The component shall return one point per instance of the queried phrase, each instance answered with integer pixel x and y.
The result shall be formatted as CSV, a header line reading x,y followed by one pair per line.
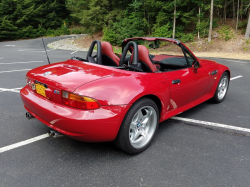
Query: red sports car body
x,y
89,101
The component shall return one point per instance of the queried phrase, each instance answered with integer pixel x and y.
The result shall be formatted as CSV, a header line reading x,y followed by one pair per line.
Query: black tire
x,y
122,140
216,97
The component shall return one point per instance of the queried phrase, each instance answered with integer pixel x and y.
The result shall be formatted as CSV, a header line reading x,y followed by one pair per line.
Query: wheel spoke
x,y
145,121
136,134
143,133
135,118
220,84
140,115
133,126
146,117
224,83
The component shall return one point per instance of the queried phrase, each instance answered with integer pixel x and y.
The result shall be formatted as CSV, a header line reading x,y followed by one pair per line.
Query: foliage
x,y
117,19
77,30
163,31
187,37
32,18
127,26
226,32
242,24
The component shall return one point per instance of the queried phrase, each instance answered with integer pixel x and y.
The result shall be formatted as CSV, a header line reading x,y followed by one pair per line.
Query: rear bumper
x,y
85,125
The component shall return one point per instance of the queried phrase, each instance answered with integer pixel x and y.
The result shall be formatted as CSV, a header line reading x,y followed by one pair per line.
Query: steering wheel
x,y
91,58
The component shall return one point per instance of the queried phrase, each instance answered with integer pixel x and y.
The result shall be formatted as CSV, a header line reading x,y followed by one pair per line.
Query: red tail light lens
x,y
30,83
80,102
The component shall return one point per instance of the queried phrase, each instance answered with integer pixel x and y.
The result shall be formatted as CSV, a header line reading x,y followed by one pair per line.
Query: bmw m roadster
x,y
122,97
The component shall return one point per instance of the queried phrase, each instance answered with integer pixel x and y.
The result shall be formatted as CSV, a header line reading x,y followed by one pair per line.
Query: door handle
x,y
176,81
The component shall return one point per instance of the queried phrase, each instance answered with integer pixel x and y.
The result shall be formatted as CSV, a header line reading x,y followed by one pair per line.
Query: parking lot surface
x,y
182,154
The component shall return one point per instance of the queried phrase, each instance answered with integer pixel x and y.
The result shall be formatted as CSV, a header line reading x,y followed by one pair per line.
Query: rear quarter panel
x,y
127,88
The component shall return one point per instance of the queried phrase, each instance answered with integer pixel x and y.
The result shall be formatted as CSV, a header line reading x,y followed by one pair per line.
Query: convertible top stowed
x,y
120,98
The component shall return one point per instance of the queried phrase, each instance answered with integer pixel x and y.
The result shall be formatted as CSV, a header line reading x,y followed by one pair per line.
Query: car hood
x,y
69,75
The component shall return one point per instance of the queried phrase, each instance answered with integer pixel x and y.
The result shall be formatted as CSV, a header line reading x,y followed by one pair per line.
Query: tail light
x,y
80,102
30,83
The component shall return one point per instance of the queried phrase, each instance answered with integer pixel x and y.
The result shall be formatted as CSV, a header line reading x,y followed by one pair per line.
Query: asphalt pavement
x,y
182,154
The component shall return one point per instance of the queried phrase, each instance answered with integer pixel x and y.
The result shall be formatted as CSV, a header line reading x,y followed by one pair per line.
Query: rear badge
x,y
56,92
47,73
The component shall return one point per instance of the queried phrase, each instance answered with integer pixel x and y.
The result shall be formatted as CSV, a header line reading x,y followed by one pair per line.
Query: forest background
x,y
119,19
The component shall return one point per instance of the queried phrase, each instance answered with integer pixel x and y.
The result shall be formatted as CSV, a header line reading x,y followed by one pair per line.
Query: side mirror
x,y
195,66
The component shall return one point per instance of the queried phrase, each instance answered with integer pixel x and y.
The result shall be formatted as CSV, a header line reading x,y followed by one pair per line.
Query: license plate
x,y
40,88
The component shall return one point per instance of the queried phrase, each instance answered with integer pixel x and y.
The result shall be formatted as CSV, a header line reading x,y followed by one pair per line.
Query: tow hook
x,y
29,116
54,134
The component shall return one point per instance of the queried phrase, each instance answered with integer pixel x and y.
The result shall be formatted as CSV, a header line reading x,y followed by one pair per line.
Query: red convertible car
x,y
122,97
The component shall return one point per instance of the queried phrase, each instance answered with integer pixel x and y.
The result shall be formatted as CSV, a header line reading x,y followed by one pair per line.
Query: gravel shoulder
x,y
73,44
240,56
68,44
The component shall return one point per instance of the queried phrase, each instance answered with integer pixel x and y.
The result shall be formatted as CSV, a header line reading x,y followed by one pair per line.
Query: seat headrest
x,y
144,57
108,50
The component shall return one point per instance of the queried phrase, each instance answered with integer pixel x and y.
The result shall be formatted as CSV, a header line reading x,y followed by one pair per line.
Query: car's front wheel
x,y
138,127
222,88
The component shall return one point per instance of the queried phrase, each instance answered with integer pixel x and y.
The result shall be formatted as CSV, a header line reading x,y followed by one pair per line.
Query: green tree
x,y
30,18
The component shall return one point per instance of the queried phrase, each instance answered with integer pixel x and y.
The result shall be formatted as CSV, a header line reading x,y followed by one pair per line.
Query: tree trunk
x,y
110,5
174,19
225,12
237,19
148,25
233,14
248,27
144,10
241,9
199,21
211,21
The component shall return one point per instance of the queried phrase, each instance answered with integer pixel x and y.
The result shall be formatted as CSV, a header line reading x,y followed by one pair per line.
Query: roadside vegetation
x,y
188,20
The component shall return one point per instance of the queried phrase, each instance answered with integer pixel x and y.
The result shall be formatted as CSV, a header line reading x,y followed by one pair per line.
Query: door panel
x,y
186,86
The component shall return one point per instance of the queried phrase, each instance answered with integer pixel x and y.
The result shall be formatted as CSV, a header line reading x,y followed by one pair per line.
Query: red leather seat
x,y
144,58
109,58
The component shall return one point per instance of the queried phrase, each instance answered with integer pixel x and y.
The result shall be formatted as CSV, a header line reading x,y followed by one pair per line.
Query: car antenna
x,y
46,51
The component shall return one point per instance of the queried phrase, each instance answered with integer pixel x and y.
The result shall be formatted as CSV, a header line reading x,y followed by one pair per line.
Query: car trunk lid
x,y
68,75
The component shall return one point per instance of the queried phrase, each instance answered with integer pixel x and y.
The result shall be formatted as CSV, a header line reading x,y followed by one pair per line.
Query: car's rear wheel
x,y
222,88
138,127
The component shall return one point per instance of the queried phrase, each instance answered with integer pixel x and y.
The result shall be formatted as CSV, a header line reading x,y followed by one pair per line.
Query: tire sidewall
x,y
123,134
216,98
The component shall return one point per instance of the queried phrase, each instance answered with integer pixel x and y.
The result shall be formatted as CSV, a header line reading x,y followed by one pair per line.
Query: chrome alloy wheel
x,y
222,89
142,126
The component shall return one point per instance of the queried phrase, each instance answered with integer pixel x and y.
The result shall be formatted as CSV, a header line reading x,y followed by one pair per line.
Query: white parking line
x,y
17,90
21,62
200,123
229,128
15,70
236,61
73,52
10,45
19,144
242,62
29,50
236,77
35,51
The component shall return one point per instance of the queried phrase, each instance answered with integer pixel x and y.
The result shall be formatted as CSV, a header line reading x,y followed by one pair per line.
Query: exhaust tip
x,y
51,133
29,116
54,134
